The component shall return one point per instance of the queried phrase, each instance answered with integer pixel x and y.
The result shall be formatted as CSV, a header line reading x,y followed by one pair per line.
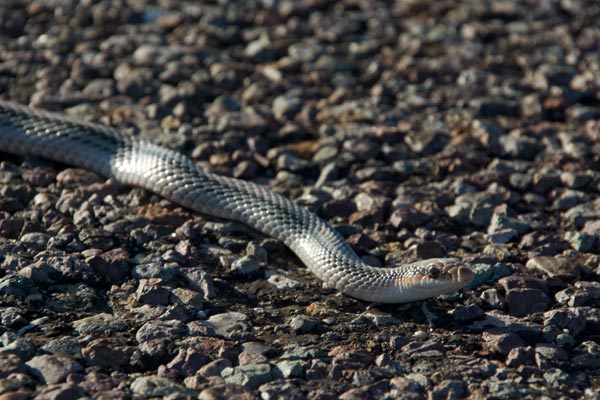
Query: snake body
x,y
138,162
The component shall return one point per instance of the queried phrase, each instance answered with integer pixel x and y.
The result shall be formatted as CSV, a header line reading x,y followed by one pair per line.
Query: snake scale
x,y
138,162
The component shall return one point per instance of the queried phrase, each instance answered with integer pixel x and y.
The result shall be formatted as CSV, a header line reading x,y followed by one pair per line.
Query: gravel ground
x,y
417,128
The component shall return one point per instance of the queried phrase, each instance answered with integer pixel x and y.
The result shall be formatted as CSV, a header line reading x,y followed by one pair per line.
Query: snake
x,y
135,161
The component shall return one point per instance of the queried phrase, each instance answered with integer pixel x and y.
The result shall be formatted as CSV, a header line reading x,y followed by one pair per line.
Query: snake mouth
x,y
460,273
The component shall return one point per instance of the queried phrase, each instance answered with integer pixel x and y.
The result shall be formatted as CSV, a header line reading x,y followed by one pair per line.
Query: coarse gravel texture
x,y
417,128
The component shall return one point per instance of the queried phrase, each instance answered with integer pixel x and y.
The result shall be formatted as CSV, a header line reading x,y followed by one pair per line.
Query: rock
x,y
10,364
214,368
160,329
280,389
555,377
230,324
53,369
381,319
17,285
227,391
292,163
63,345
107,353
155,386
186,297
62,391
467,313
113,264
198,280
561,267
403,387
493,299
288,369
251,376
245,266
281,281
428,349
249,357
375,390
549,356
581,241
187,362
503,229
576,297
486,273
350,358
519,356
501,341
564,320
301,324
285,107
105,323
522,302
448,389
151,291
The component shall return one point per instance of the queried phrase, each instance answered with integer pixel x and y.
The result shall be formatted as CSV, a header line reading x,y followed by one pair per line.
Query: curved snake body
x,y
135,161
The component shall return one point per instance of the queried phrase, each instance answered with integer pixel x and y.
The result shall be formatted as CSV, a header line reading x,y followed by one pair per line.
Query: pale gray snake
x,y
138,162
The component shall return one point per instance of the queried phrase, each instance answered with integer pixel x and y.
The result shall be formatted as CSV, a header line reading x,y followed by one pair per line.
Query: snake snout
x,y
461,274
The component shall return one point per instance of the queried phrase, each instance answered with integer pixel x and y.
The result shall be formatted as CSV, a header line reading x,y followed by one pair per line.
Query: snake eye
x,y
433,271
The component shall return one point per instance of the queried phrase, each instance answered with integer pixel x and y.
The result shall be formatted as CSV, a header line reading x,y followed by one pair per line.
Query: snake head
x,y
436,276
420,280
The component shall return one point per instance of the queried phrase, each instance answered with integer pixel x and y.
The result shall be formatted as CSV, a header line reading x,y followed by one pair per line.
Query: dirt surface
x,y
416,128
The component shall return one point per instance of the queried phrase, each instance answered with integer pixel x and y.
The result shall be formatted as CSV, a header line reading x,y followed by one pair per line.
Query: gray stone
x,y
227,391
581,241
554,266
381,319
155,386
160,329
493,299
53,368
285,107
100,323
17,285
281,281
304,324
63,391
63,345
292,163
288,369
486,273
251,376
281,389
467,313
246,265
214,368
230,324
570,198
524,301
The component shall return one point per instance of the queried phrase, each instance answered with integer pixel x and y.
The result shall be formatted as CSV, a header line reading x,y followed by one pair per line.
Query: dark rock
x,y
251,376
448,389
107,353
522,302
501,341
549,356
554,266
301,324
53,368
467,313
113,264
227,391
280,389
519,356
